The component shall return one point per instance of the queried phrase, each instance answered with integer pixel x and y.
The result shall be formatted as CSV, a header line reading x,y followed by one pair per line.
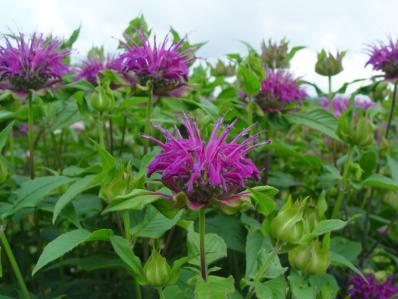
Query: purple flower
x,y
341,103
279,92
31,63
384,57
92,67
165,66
360,289
205,172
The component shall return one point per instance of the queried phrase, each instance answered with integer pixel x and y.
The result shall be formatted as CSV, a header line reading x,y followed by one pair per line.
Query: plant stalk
x,y
30,137
202,233
390,116
340,197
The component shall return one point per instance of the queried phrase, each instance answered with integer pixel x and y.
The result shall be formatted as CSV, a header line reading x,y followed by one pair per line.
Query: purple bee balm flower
x,y
165,66
279,92
31,63
384,57
372,289
341,103
212,171
91,68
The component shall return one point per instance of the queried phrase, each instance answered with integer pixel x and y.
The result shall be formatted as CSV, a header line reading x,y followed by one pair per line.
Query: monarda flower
x,y
341,103
372,289
31,63
92,67
279,92
206,172
165,66
384,57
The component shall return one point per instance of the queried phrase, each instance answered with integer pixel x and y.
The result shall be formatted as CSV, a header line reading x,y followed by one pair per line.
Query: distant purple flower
x,y
372,289
341,103
165,66
279,92
205,172
31,63
92,67
384,57
22,130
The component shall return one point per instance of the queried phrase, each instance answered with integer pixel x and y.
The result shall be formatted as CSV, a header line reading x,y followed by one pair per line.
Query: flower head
x,y
372,289
205,171
165,66
328,64
279,92
276,55
31,63
92,67
384,57
341,103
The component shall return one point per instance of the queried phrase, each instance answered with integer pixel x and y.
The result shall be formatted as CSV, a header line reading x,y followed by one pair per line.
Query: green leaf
x,y
1,265
269,265
66,242
32,192
215,248
272,289
75,189
214,287
125,251
263,196
255,241
345,247
299,287
317,119
339,260
393,165
154,224
248,80
4,135
328,225
137,200
326,285
380,181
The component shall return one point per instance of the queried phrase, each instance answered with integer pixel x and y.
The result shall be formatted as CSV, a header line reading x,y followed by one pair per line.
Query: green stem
x,y
330,93
340,197
394,96
14,264
250,110
160,292
101,129
137,289
123,134
30,136
126,224
202,233
149,108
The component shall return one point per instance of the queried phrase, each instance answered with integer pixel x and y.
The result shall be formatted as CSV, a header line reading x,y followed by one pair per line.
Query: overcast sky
x,y
339,24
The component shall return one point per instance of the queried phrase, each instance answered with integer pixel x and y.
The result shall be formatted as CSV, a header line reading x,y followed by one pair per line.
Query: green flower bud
x,y
102,99
274,55
312,258
157,271
288,224
222,70
355,129
118,182
3,170
329,65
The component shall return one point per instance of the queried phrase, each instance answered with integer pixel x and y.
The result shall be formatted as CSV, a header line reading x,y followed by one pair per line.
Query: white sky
x,y
343,24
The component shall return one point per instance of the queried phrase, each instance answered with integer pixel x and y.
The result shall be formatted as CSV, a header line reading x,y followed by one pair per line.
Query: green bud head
x,y
102,99
288,224
223,70
3,170
119,181
329,65
355,129
156,270
276,55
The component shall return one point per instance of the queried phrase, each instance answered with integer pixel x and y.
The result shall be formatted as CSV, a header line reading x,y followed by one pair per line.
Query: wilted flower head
x,y
341,103
384,57
279,92
328,64
360,289
275,55
31,63
92,67
165,66
205,171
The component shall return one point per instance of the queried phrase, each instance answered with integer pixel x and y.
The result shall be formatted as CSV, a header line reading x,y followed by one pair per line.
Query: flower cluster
x,y
205,172
372,289
341,103
31,63
279,92
384,57
166,67
92,67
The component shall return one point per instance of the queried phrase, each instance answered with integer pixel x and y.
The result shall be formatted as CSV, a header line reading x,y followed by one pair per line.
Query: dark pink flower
x,y
31,63
92,67
384,57
166,66
372,289
279,92
341,103
215,170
